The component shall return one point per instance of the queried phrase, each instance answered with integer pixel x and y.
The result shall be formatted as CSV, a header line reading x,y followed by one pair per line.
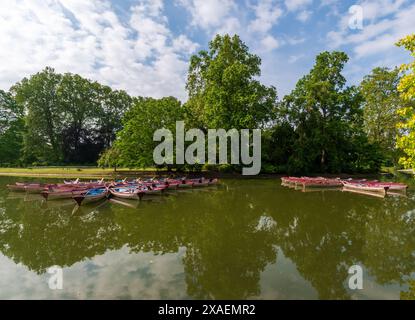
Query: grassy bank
x,y
109,173
73,172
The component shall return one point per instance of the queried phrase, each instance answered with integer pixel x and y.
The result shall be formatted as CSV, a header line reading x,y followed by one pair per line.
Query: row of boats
x,y
358,185
92,191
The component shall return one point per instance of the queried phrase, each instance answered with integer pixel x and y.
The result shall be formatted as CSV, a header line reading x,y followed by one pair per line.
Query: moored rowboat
x,y
92,195
126,193
62,194
366,187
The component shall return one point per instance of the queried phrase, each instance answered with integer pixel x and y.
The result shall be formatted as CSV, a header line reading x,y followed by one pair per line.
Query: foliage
x,y
69,119
406,87
11,129
410,294
327,118
135,140
223,90
110,157
381,102
38,96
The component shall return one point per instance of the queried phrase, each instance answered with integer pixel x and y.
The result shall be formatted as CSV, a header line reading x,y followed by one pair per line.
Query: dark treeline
x,y
52,118
323,125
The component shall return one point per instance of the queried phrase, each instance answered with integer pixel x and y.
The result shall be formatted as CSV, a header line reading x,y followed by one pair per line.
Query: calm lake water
x,y
243,239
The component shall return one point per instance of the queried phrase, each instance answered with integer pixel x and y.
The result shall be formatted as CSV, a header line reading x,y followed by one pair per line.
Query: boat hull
x,y
56,195
367,188
85,199
126,195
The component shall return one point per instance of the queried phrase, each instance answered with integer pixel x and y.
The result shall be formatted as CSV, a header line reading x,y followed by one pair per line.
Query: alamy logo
x,y
356,18
356,278
55,281
241,145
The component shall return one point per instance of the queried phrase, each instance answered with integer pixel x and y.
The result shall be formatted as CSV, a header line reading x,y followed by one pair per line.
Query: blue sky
x,y
144,46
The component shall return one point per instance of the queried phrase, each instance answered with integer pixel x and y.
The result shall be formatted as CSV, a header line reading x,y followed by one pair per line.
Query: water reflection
x,y
227,241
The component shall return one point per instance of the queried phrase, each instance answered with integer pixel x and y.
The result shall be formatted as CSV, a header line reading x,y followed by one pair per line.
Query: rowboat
x,y
201,183
152,190
91,195
62,194
395,186
307,182
126,193
28,187
15,187
371,187
327,183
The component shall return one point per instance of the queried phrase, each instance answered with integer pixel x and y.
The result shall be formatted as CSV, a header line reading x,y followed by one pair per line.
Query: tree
x,y
135,141
38,95
11,129
406,87
113,105
69,119
79,107
110,158
223,90
327,118
381,102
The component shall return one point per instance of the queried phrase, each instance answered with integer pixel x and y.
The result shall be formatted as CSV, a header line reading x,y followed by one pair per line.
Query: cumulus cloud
x,y
386,25
304,15
208,15
267,13
269,43
140,55
293,5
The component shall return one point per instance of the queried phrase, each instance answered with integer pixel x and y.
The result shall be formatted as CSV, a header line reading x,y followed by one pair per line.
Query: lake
x,y
245,239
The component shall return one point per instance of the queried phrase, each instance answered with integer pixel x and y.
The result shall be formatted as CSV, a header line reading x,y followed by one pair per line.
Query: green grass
x,y
70,171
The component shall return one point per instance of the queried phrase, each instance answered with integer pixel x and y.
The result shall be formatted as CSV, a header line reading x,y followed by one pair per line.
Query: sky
x,y
144,46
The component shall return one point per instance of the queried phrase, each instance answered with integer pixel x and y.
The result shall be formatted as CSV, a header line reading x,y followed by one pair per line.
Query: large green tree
x,y
38,96
406,87
11,129
327,118
381,102
69,119
223,88
134,144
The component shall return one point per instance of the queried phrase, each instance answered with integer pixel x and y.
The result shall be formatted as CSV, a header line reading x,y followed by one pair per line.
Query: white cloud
x,y
304,15
267,13
380,8
294,41
269,43
139,54
294,5
295,58
388,24
210,14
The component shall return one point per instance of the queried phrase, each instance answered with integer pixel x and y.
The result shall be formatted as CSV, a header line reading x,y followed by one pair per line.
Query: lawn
x,y
87,172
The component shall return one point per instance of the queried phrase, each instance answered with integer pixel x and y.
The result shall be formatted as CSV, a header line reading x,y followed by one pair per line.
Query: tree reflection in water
x,y
231,234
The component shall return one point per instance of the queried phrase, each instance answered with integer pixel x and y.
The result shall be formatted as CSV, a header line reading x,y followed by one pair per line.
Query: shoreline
x,y
94,173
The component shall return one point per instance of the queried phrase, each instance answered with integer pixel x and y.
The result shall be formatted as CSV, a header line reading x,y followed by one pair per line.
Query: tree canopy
x,y
381,102
223,88
326,117
11,129
135,141
68,119
406,87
